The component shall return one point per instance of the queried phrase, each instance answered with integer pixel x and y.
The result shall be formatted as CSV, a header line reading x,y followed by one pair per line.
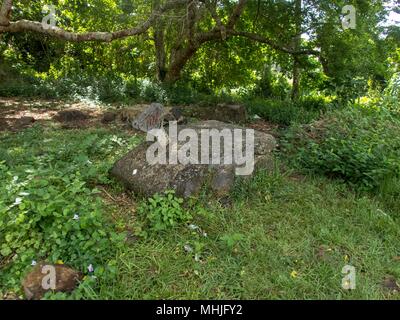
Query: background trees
x,y
256,45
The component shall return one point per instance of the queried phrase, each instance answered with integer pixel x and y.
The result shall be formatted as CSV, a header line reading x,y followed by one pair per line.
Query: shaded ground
x,y
45,111
80,115
265,126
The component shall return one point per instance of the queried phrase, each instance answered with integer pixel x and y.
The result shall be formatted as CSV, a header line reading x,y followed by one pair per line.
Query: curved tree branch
x,y
185,48
212,9
272,44
220,32
27,25
229,30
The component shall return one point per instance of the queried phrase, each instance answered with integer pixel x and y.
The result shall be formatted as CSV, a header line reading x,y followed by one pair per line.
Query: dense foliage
x,y
232,65
50,209
358,145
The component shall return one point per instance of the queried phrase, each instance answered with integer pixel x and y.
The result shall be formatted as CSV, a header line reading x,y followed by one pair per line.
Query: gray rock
x,y
71,115
264,143
221,112
175,114
108,117
24,121
223,180
134,171
149,119
168,117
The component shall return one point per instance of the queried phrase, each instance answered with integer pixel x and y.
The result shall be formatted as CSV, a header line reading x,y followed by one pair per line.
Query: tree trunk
x,y
178,61
297,44
5,12
159,45
161,59
296,79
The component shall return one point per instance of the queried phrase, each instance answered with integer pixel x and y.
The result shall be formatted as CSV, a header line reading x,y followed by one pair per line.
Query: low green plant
x,y
286,112
391,95
231,240
358,145
107,89
50,207
164,211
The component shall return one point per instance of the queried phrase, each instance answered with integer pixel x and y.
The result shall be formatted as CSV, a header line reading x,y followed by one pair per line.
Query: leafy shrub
x,y
360,146
164,211
286,112
391,95
393,89
271,84
346,88
106,88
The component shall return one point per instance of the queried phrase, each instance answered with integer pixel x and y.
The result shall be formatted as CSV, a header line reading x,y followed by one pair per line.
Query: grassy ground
x,y
290,239
282,236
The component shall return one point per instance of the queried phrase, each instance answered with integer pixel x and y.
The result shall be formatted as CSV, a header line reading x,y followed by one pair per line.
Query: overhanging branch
x,y
27,25
272,44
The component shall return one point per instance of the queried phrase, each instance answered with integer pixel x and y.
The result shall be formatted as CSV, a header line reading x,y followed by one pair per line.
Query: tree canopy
x,y
213,43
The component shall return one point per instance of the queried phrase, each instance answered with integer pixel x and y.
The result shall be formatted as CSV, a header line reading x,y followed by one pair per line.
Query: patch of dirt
x,y
122,207
80,115
317,129
297,177
390,284
108,117
14,114
4,125
73,119
71,115
323,252
264,126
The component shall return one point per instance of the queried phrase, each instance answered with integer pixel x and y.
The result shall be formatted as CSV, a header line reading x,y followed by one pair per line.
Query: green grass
x,y
283,225
268,245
